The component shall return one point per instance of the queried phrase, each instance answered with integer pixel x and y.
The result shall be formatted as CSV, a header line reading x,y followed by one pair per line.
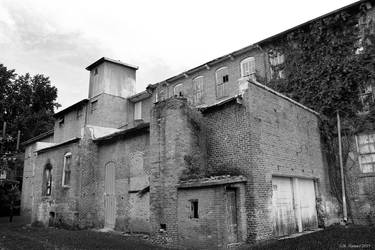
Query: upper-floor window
x,y
67,169
222,80
198,90
94,105
138,110
248,67
61,121
366,150
366,97
79,113
178,90
95,71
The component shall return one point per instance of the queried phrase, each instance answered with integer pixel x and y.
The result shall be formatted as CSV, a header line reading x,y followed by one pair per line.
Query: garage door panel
x,y
308,204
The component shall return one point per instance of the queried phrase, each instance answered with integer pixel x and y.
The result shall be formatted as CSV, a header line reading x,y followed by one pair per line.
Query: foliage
x,y
328,63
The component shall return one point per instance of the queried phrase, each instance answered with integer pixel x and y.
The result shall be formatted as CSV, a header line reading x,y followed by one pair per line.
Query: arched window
x,y
67,169
198,90
222,81
178,90
248,67
47,179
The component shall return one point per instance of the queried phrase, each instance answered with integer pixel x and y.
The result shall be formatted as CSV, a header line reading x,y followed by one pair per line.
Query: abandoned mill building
x,y
206,158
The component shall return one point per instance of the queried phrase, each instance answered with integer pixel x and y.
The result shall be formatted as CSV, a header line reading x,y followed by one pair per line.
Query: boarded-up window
x,y
198,90
366,148
248,67
138,110
222,81
67,169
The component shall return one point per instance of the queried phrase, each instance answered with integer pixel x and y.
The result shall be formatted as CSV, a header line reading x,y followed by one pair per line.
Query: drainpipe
x,y
345,213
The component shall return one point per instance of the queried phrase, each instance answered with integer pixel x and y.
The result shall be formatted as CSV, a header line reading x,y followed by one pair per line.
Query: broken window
x,y
178,90
366,97
198,90
366,150
47,180
222,80
67,169
194,209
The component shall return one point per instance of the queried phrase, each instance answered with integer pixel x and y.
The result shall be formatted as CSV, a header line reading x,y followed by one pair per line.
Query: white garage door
x,y
293,203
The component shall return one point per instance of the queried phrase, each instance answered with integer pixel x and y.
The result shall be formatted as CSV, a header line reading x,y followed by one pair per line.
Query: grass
x,y
335,237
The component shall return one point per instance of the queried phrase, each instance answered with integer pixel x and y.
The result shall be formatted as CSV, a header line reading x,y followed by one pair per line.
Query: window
x,y
61,121
247,67
94,105
366,97
178,90
79,113
95,71
276,59
366,150
3,174
47,180
222,79
198,90
67,169
194,209
138,110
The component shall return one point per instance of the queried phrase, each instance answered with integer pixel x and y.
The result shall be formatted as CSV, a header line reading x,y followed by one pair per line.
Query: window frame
x,y
223,83
47,180
198,93
66,155
137,115
180,85
247,60
362,155
194,209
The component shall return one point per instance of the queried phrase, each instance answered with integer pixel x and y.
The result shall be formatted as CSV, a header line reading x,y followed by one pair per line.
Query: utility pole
x,y
345,213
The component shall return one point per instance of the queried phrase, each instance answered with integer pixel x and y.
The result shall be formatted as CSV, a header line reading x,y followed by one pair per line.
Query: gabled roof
x,y
38,137
106,59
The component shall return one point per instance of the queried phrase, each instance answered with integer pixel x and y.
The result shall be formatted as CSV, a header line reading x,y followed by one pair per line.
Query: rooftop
x,y
106,59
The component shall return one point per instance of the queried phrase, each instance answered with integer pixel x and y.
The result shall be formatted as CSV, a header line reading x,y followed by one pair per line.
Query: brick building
x,y
206,158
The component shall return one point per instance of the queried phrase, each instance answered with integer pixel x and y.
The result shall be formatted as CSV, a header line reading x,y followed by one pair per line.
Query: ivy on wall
x,y
329,66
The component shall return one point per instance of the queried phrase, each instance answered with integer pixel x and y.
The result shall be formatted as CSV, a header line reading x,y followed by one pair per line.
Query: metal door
x,y
308,204
284,222
109,196
231,215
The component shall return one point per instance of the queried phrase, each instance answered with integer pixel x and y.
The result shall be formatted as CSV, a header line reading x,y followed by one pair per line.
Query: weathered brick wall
x,y
130,155
62,201
209,75
72,125
111,111
266,135
29,180
172,138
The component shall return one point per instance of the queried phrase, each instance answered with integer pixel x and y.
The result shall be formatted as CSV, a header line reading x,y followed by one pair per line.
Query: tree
x,y
27,105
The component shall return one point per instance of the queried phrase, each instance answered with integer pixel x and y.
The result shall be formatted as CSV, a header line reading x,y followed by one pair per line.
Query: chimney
x,y
111,77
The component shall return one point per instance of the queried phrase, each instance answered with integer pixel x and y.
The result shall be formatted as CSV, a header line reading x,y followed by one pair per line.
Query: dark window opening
x,y
47,180
225,78
94,105
163,226
61,122
194,209
95,71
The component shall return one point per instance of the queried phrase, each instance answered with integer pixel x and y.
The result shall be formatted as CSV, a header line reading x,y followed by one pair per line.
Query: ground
x,y
17,235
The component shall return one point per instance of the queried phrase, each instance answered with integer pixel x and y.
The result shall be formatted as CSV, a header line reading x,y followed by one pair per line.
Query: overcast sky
x,y
165,37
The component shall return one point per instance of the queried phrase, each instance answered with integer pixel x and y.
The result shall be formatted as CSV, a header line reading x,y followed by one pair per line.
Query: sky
x,y
164,38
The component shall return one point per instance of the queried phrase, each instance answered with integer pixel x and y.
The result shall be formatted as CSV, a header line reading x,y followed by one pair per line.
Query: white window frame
x,y
138,110
366,151
221,85
250,63
176,87
198,89
69,154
